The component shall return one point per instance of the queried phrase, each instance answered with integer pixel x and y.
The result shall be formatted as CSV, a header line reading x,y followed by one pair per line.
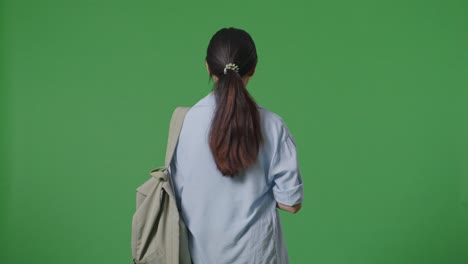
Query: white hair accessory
x,y
231,66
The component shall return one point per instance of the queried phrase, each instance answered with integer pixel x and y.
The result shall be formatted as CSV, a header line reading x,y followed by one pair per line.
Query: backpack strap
x,y
174,131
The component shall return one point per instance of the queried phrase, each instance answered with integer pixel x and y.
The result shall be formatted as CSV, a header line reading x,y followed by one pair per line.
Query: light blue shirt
x,y
235,220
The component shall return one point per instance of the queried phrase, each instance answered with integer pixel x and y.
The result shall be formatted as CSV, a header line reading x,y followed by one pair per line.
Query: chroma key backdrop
x,y
375,94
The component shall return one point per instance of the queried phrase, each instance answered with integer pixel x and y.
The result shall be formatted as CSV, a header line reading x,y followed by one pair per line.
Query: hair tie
x,y
231,66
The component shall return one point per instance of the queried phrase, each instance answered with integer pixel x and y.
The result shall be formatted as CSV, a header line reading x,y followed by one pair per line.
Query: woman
x,y
235,163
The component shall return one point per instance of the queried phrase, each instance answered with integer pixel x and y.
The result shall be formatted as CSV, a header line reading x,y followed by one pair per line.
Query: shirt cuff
x,y
291,196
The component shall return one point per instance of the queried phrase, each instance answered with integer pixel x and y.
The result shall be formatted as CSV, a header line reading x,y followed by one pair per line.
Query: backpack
x,y
159,234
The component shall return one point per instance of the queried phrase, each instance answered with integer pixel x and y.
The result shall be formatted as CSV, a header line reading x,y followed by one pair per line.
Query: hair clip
x,y
231,66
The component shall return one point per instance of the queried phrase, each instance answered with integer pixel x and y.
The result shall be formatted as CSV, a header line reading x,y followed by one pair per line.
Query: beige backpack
x,y
159,234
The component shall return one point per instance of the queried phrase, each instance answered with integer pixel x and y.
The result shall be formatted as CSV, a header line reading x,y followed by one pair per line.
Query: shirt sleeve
x,y
176,178
284,169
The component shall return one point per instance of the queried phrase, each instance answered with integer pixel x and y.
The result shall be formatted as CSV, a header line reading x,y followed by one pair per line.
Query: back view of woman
x,y
235,164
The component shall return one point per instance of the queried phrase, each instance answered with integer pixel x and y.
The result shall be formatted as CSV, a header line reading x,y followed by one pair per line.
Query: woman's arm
x,y
292,209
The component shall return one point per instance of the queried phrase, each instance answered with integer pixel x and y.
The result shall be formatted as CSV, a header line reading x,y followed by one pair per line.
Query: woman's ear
x,y
209,72
251,73
207,67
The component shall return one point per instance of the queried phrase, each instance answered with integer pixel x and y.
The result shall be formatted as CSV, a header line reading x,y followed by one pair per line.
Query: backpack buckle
x,y
160,173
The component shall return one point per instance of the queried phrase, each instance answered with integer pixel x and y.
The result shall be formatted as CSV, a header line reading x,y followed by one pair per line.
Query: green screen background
x,y
374,93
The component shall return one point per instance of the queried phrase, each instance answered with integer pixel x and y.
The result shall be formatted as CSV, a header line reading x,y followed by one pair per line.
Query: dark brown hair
x,y
235,134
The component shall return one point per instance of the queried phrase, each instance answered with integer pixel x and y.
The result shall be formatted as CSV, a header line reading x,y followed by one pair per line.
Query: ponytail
x,y
235,135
